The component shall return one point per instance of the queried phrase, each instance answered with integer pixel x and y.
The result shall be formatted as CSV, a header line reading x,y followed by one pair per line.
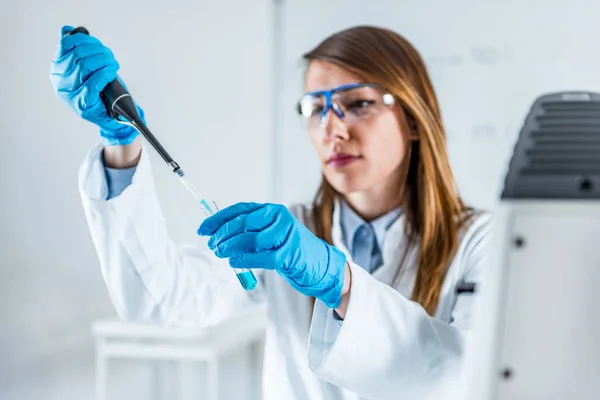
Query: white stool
x,y
116,339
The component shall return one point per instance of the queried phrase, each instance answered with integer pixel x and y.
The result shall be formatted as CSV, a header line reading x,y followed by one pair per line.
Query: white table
x,y
116,339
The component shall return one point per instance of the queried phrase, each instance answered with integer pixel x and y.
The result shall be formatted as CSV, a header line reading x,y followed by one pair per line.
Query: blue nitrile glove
x,y
268,236
82,66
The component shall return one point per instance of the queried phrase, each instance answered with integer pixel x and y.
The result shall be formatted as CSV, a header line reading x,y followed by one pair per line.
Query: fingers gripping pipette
x,y
120,106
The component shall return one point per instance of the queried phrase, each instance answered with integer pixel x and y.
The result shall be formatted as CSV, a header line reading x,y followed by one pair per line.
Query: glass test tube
x,y
244,275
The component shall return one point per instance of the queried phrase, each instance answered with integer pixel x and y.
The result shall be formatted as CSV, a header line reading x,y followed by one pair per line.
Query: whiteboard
x,y
488,60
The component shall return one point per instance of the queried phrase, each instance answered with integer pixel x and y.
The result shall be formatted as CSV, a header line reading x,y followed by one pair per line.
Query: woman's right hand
x,y
81,68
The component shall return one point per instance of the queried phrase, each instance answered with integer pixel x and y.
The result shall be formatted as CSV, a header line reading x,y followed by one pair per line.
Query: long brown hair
x,y
433,209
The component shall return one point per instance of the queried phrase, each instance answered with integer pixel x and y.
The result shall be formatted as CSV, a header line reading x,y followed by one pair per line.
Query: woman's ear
x,y
414,131
411,122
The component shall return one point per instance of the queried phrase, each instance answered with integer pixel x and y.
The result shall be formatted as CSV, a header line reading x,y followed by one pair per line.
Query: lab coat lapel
x,y
336,231
393,249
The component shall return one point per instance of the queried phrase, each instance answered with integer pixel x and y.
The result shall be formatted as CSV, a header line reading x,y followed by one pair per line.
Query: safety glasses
x,y
351,103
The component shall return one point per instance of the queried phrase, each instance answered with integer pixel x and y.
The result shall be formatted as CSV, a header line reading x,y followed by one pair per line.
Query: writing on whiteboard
x,y
474,55
482,132
488,132
491,54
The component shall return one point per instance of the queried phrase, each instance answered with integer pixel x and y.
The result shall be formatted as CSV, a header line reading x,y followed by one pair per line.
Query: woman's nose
x,y
334,127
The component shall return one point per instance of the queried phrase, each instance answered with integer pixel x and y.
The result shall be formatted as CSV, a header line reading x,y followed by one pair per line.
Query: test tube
x,y
244,275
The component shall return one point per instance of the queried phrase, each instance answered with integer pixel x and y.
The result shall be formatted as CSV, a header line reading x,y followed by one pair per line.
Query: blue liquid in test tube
x,y
247,278
244,275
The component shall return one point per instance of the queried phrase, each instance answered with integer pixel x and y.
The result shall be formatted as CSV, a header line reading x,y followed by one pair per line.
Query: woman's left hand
x,y
268,236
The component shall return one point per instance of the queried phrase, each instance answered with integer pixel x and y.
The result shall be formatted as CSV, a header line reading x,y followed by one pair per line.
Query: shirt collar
x,y
350,222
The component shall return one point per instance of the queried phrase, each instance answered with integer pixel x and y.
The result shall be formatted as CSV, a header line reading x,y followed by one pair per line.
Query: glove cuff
x,y
334,278
122,138
115,133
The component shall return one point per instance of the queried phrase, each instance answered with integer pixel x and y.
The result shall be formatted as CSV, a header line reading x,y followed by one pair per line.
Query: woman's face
x,y
364,154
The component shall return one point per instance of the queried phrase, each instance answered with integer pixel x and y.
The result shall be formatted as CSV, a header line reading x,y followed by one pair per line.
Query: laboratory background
x,y
219,81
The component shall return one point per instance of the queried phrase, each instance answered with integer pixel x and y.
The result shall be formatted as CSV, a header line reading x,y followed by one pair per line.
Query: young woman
x,y
361,284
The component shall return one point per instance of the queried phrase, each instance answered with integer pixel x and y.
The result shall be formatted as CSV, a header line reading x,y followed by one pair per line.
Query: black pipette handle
x,y
119,103
79,29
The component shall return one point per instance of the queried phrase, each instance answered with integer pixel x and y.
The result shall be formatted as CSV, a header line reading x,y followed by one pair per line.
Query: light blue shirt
x,y
117,180
364,240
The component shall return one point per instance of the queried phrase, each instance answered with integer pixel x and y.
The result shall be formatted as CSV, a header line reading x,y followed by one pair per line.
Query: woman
x,y
361,285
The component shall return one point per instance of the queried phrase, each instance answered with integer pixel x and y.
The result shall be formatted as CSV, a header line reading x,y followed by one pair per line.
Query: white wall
x,y
201,71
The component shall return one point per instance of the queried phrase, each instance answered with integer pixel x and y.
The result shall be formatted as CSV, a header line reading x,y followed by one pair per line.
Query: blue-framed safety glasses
x,y
351,103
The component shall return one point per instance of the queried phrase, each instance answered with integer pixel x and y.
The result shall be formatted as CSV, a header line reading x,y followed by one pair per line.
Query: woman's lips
x,y
341,160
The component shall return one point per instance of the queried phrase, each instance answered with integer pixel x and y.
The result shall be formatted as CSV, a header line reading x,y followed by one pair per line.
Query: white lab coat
x,y
387,346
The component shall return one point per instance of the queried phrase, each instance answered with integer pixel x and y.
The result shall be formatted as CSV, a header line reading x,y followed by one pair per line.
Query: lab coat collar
x,y
392,245
350,222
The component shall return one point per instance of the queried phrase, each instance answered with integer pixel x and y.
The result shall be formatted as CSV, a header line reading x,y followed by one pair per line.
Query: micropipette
x,y
119,104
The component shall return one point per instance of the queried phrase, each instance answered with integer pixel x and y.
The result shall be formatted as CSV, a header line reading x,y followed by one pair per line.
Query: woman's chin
x,y
346,184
